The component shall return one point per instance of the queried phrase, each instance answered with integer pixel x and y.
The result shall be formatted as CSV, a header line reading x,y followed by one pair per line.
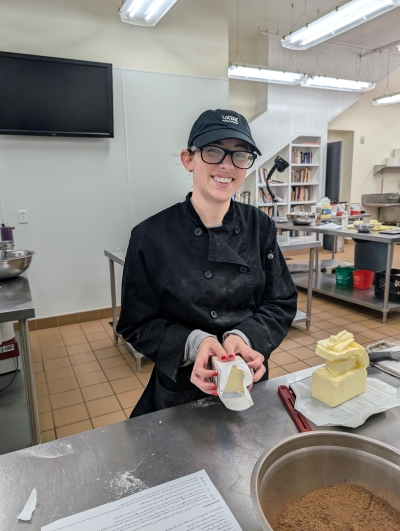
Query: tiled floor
x,y
84,381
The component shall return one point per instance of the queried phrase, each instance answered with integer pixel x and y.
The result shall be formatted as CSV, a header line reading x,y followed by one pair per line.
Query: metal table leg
x,y
317,257
334,247
389,259
29,376
113,301
310,285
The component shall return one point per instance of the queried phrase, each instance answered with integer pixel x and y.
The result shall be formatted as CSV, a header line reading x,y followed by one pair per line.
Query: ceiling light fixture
x,y
264,75
333,83
145,12
336,22
387,100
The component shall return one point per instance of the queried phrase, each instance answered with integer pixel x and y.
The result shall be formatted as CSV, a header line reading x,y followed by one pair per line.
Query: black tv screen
x,y
55,97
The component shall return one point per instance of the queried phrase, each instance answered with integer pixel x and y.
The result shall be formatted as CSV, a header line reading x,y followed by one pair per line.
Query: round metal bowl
x,y
15,263
301,218
7,244
364,227
301,463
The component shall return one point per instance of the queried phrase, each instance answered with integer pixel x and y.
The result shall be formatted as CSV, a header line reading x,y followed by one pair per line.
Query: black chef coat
x,y
180,276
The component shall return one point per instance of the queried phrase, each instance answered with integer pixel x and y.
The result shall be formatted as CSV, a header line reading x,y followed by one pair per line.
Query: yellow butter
x,y
327,353
338,338
362,357
334,390
235,381
341,366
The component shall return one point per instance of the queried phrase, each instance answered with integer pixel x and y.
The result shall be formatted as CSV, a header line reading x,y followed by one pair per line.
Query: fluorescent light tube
x,y
387,100
332,83
342,19
264,75
145,12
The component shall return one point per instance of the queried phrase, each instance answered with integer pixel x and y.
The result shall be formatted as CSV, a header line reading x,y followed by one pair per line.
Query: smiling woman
x,y
206,277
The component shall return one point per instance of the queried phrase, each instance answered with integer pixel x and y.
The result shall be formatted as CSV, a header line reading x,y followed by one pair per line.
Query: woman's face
x,y
216,182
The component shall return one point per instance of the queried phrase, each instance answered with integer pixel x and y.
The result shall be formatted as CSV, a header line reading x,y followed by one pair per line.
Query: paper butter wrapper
x,y
232,381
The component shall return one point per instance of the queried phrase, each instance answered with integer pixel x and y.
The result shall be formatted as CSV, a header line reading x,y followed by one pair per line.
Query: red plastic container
x,y
355,212
363,279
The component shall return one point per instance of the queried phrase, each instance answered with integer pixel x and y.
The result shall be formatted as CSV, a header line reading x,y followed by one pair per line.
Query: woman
x,y
206,277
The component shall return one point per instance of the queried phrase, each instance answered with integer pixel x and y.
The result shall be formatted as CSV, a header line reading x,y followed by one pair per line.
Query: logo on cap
x,y
230,119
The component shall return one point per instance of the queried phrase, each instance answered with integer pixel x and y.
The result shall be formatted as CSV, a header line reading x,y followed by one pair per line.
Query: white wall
x,y
381,128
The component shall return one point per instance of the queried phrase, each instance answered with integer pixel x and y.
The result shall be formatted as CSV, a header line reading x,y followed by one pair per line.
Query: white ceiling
x,y
276,15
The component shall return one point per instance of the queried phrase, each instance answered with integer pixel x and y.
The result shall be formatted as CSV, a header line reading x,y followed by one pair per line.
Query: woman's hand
x,y
234,344
201,374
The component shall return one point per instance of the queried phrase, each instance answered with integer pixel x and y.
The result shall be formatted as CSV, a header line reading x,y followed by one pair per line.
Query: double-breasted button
x,y
214,314
198,232
236,230
270,256
208,274
243,305
243,269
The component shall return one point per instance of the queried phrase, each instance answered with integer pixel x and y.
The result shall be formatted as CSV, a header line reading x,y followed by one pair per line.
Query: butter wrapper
x,y
232,381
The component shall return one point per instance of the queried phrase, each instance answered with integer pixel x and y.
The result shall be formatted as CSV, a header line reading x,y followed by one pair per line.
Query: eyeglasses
x,y
215,155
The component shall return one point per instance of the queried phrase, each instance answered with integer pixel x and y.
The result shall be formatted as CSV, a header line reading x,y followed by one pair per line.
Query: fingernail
x,y
232,356
214,387
215,374
214,393
223,358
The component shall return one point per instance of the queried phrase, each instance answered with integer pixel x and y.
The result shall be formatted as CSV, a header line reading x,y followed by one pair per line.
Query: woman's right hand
x,y
201,373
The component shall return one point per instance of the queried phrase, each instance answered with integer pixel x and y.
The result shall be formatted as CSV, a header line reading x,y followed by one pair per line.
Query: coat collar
x,y
227,222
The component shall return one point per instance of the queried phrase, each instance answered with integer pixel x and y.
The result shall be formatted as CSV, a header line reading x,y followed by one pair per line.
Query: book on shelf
x,y
301,157
262,174
312,143
269,210
265,197
301,176
300,193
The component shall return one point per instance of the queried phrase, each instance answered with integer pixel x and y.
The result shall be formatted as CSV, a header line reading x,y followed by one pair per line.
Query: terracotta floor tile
x,y
65,399
40,377
46,421
75,340
57,363
97,391
73,350
374,335
41,390
102,406
97,336
272,364
50,345
103,343
302,353
91,324
49,334
319,335
371,324
130,398
389,330
72,332
38,366
278,371
85,357
123,349
106,420
339,321
128,412
355,328
86,368
109,363
316,360
37,355
70,415
54,353
65,384
43,404
298,366
47,436
126,384
283,358
91,378
288,344
118,372
306,340
129,358
110,352
147,366
144,378
58,374
73,429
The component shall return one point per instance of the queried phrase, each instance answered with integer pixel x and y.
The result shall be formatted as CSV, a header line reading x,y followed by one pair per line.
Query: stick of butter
x,y
341,366
327,353
338,338
232,381
362,357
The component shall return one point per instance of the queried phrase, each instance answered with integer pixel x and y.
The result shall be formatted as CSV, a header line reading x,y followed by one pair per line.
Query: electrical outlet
x,y
22,216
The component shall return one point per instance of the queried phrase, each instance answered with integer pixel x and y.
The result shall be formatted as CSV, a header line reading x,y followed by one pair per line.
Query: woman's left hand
x,y
234,344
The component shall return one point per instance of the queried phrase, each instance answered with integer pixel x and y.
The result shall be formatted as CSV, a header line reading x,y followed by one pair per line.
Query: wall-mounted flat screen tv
x,y
55,97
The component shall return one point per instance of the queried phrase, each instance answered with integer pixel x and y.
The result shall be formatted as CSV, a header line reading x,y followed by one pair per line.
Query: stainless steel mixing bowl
x,y
298,464
364,227
14,263
301,218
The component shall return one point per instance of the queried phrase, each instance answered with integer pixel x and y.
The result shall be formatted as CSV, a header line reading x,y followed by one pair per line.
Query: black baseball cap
x,y
219,124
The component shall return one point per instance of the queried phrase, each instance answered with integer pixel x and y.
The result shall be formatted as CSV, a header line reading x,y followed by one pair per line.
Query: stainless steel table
x,y
326,283
113,462
16,305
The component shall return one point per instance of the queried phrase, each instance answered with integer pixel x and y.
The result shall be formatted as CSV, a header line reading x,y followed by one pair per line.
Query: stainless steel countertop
x,y
112,462
15,300
373,236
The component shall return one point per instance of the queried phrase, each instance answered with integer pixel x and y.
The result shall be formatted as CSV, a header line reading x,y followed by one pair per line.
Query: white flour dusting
x,y
49,450
204,402
125,483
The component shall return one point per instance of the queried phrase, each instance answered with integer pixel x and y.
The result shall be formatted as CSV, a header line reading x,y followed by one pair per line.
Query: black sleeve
x,y
271,321
140,323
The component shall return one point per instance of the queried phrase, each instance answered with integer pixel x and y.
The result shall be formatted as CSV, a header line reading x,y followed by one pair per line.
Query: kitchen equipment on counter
x,y
388,205
363,227
15,263
301,463
6,233
301,218
8,348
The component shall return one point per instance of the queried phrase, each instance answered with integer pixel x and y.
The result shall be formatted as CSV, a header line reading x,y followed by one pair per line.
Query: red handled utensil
x,y
288,401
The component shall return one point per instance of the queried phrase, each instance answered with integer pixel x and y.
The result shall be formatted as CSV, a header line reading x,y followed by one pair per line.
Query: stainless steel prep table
x,y
109,463
326,283
16,305
118,257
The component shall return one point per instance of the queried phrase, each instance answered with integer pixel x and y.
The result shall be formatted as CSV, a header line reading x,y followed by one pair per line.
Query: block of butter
x,y
334,390
327,353
341,366
232,381
362,358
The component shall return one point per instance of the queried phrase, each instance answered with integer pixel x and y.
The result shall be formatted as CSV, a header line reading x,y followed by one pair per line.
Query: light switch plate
x,y
22,216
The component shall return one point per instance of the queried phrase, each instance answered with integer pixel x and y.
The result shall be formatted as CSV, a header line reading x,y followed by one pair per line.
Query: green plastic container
x,y
344,275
